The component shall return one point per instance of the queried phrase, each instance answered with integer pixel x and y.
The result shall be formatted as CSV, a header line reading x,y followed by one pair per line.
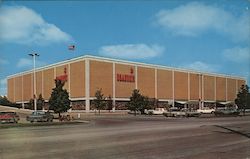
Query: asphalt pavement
x,y
129,137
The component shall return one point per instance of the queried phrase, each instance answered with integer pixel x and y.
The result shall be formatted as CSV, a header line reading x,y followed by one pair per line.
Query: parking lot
x,y
128,136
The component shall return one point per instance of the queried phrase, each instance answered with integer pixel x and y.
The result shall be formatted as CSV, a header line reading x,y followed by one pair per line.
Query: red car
x,y
9,117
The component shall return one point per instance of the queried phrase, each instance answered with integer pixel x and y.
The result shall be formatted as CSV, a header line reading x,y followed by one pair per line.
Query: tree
x,y
109,103
4,101
145,104
153,103
59,99
137,102
243,98
31,104
40,102
99,102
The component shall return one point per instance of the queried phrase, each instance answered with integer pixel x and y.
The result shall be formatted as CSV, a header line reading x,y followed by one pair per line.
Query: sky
x,y
211,36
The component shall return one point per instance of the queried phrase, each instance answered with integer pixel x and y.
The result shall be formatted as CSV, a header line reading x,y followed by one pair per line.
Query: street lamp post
x,y
34,78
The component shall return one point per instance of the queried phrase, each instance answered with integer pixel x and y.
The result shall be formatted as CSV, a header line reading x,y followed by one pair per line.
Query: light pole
x,y
34,78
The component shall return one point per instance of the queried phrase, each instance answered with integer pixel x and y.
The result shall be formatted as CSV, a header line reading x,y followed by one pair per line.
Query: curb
x,y
4,126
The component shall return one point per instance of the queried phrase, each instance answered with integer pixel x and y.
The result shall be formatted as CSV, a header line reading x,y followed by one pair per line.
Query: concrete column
x,y
22,94
202,86
136,78
42,86
14,89
188,86
69,79
114,75
156,94
226,89
215,92
87,101
199,91
173,87
68,74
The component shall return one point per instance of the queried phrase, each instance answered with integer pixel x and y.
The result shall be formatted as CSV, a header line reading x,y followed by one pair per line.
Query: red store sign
x,y
126,77
64,77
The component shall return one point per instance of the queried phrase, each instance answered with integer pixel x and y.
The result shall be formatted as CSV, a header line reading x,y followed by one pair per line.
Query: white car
x,y
156,111
206,110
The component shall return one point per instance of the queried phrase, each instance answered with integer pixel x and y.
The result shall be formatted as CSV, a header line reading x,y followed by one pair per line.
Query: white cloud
x,y
22,25
3,86
131,51
237,54
201,66
194,18
3,81
28,63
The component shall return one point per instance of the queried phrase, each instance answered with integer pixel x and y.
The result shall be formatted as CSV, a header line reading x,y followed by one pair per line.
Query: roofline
x,y
105,59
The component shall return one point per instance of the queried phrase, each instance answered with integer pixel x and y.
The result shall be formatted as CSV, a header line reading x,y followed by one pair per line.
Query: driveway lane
x,y
126,138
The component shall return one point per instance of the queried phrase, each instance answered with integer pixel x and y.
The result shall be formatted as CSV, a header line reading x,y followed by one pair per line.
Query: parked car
x,y
156,111
226,112
133,112
206,110
9,117
175,112
191,113
40,116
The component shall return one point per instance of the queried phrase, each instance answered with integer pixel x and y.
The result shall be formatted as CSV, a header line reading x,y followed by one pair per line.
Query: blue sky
x,y
212,36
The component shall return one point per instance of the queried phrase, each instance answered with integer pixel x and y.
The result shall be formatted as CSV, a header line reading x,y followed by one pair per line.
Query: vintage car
x,y
134,112
226,112
40,116
192,113
175,112
206,110
156,111
9,117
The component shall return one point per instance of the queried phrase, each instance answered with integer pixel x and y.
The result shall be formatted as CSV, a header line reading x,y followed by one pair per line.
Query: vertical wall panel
x,y
27,87
209,88
194,86
164,84
60,71
146,81
231,89
220,88
48,82
240,83
10,93
181,85
18,89
123,88
101,77
77,79
38,83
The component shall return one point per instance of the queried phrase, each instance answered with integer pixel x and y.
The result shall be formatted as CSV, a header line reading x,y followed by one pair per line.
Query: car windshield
x,y
174,110
38,112
7,112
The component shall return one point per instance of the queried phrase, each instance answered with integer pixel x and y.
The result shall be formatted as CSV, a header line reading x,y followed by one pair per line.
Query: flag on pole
x,y
71,47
